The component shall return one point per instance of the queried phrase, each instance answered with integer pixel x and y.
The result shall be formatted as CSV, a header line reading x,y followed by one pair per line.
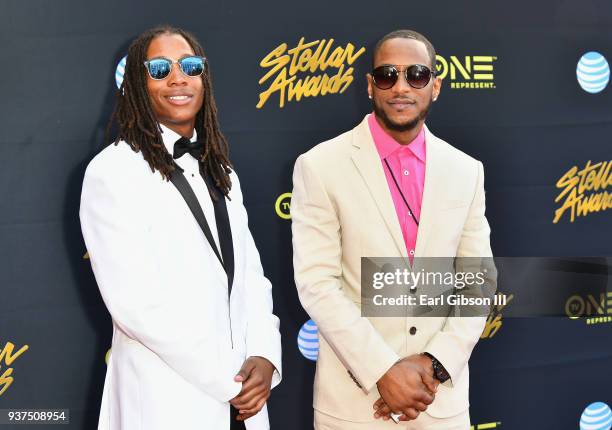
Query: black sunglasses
x,y
160,67
417,76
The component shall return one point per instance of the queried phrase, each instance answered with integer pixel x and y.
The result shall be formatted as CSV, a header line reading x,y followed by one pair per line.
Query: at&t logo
x,y
120,71
593,72
308,340
596,416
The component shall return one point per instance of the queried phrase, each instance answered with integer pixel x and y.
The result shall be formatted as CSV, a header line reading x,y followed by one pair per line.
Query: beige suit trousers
x,y
423,422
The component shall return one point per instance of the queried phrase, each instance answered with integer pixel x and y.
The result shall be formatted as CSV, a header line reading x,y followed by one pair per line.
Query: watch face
x,y
439,371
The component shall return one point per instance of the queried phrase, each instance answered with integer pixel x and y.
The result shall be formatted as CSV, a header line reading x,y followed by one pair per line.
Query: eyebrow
x,y
173,59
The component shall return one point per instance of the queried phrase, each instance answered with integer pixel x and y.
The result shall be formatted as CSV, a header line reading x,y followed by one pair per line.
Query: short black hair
x,y
407,34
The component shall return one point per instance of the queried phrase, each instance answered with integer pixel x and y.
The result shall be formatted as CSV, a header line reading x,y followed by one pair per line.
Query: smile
x,y
179,100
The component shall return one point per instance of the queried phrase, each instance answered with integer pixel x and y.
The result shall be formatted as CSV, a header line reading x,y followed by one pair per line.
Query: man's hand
x,y
408,387
256,377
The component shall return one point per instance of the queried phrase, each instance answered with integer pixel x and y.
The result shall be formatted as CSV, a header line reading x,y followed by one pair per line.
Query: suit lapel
x,y
433,174
224,231
368,163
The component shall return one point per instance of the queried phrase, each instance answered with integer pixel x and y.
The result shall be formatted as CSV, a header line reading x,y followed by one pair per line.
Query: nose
x,y
401,85
176,77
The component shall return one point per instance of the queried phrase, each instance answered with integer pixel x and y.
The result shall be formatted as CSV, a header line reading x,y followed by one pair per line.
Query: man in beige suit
x,y
387,188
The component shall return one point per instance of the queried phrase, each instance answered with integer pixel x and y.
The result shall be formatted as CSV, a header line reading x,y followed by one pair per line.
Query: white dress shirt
x,y
191,170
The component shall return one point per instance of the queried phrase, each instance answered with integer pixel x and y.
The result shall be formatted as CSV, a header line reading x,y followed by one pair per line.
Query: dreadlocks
x,y
138,126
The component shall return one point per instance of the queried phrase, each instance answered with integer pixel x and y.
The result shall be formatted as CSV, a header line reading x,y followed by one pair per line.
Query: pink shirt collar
x,y
386,145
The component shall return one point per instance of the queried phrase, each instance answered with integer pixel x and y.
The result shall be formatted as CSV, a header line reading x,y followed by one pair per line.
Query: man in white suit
x,y
195,342
387,188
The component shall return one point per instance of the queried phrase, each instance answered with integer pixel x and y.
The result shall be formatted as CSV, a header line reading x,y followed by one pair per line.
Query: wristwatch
x,y
440,372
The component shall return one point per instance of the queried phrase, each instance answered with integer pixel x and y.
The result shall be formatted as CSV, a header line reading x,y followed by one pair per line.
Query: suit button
x,y
413,330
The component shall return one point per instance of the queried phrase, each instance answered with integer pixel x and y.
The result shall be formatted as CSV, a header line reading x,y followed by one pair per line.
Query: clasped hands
x,y
407,388
256,377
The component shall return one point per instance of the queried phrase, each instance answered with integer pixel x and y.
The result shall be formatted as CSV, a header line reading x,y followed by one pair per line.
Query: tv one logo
x,y
282,207
597,308
467,72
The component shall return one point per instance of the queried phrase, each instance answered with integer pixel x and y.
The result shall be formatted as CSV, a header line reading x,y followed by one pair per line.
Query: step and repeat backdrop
x,y
525,89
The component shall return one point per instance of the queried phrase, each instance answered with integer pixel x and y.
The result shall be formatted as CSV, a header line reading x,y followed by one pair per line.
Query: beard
x,y
401,127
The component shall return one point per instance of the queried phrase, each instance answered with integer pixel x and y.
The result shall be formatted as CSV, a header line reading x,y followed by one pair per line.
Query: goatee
x,y
400,127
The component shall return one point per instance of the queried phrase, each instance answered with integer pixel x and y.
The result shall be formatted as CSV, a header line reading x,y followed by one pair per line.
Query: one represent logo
x,y
596,309
283,206
593,72
120,71
306,59
8,355
308,340
584,190
467,72
596,416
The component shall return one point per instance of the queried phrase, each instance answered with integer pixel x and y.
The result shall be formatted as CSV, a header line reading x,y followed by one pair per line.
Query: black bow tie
x,y
184,146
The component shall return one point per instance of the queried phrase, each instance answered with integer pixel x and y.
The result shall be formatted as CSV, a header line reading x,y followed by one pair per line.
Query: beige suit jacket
x,y
342,210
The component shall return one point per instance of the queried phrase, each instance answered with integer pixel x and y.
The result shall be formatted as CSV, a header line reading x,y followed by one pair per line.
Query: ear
x,y
369,77
437,87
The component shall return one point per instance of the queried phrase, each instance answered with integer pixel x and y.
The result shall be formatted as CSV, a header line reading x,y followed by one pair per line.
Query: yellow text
x,y
594,178
310,57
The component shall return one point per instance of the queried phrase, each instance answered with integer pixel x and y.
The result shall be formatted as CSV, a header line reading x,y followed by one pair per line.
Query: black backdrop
x,y
58,83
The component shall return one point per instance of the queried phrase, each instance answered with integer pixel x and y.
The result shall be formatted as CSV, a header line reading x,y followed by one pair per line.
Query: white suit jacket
x,y
178,341
341,210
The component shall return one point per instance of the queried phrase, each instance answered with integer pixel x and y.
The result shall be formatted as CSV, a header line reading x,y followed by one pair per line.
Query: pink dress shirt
x,y
408,165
